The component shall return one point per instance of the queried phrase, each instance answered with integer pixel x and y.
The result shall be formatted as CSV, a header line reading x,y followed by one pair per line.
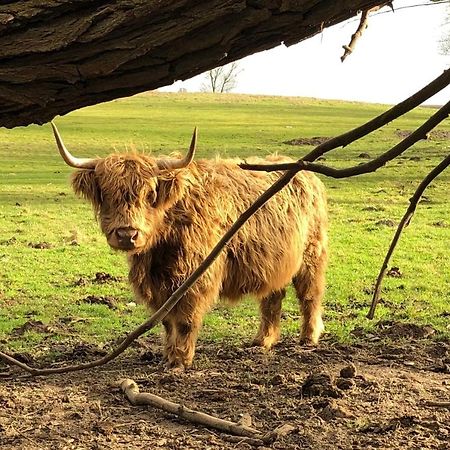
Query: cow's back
x,y
270,248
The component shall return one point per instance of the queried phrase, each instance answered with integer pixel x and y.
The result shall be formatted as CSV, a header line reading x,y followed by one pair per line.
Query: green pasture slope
x,y
38,209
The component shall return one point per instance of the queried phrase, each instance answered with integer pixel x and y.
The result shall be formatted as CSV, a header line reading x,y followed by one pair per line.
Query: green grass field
x,y
37,206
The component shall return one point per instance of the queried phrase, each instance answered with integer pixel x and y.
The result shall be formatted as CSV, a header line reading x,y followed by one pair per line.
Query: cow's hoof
x,y
308,342
265,342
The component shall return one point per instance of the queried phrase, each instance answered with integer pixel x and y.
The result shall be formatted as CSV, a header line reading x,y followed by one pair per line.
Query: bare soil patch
x,y
378,394
316,140
435,135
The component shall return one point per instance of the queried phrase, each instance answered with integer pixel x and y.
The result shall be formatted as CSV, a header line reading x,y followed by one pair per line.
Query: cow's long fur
x,y
182,214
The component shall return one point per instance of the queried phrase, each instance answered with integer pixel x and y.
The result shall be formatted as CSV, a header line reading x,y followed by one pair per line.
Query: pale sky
x,y
397,55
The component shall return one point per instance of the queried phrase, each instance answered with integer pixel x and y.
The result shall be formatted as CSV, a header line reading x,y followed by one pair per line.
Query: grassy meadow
x,y
51,248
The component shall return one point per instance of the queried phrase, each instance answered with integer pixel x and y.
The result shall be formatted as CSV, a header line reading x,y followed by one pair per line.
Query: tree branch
x,y
395,112
363,24
57,56
131,390
370,166
406,219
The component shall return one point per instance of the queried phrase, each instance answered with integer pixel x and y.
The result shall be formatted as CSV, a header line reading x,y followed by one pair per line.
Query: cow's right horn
x,y
171,164
78,163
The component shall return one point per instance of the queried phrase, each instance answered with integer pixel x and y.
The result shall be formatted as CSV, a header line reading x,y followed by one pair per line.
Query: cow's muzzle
x,y
126,238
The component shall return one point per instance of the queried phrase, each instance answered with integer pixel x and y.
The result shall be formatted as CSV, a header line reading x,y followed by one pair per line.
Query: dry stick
x,y
342,140
131,390
174,298
371,166
396,111
437,404
363,24
406,219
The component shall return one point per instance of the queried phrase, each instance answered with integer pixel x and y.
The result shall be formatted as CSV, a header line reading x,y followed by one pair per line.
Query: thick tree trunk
x,y
59,55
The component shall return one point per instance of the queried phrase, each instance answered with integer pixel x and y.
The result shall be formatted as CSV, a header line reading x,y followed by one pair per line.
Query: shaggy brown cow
x,y
168,215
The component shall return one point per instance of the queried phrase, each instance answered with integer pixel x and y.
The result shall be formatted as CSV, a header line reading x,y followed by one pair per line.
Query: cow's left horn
x,y
78,163
171,164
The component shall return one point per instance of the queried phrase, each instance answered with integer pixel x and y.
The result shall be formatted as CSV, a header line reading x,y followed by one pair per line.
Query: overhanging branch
x,y
57,56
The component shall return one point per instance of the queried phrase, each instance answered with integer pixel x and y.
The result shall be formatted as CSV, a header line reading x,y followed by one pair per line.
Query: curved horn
x,y
172,164
78,163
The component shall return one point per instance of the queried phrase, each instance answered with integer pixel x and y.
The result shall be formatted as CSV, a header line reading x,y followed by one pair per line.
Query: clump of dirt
x,y
320,384
394,272
109,301
99,278
441,224
82,350
405,330
103,277
40,245
31,325
316,140
435,135
391,403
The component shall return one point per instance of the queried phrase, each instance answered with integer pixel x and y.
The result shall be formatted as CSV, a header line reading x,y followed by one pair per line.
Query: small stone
x,y
284,430
348,371
345,383
245,420
278,379
334,411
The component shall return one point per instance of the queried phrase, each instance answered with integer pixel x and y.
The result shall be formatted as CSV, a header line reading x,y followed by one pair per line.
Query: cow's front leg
x,y
181,336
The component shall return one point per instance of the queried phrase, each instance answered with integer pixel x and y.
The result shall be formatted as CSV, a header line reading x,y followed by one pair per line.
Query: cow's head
x,y
130,192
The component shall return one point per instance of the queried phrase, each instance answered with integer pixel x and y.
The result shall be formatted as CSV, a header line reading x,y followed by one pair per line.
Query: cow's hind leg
x,y
309,284
269,328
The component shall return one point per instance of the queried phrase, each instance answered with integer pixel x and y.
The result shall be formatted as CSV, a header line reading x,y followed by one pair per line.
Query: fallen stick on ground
x,y
437,404
131,390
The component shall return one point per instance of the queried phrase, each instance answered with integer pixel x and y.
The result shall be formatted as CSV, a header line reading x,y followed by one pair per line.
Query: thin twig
x,y
173,299
396,111
437,404
131,390
370,166
363,24
406,219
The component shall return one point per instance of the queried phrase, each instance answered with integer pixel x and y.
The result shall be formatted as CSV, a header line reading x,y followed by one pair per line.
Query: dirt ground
x,y
377,394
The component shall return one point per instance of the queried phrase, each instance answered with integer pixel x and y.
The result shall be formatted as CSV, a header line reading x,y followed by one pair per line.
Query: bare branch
x,y
360,169
396,111
363,24
406,219
174,298
131,390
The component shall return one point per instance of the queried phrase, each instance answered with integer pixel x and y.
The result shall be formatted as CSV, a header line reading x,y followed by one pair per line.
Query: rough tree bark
x,y
60,55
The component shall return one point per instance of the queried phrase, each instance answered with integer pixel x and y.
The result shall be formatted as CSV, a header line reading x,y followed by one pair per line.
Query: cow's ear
x,y
84,183
169,190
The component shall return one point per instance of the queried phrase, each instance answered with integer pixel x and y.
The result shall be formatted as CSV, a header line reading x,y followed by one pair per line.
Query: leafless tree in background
x,y
221,79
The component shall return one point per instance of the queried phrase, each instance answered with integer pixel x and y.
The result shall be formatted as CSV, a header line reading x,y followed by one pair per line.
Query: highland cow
x,y
167,215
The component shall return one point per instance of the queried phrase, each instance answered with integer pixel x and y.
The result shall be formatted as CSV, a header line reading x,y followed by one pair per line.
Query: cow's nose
x,y
127,236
